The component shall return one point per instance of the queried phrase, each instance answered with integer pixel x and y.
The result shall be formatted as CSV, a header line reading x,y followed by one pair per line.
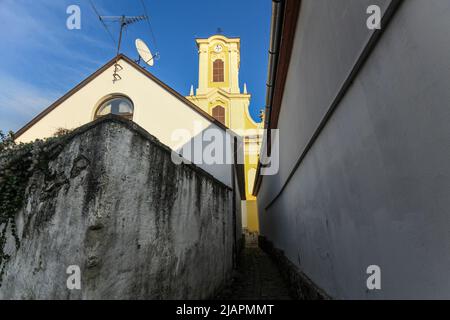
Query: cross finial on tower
x,y
219,30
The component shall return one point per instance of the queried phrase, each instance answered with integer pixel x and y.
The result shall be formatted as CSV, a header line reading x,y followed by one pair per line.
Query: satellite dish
x,y
144,52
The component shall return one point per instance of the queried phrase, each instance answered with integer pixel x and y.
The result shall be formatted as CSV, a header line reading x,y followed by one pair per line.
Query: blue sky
x,y
40,59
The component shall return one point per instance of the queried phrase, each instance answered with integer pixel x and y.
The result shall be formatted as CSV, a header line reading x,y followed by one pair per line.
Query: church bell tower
x,y
219,94
219,59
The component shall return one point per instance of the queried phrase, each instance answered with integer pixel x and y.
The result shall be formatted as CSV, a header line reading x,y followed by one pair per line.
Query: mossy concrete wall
x,y
137,225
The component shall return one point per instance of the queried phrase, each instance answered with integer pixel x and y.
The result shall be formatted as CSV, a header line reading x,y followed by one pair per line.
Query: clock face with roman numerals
x,y
218,48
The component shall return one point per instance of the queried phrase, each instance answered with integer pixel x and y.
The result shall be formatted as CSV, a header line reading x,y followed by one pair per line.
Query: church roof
x,y
101,70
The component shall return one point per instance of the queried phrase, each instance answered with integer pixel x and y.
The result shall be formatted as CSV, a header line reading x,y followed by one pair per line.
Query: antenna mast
x,y
124,21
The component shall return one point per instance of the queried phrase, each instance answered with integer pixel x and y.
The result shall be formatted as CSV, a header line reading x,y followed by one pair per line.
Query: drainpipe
x,y
276,29
275,40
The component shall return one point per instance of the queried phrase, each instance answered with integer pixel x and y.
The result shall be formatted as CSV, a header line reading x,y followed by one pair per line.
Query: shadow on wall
x,y
135,224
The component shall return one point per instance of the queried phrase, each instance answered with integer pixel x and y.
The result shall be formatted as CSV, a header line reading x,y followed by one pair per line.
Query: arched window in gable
x,y
218,72
218,112
119,105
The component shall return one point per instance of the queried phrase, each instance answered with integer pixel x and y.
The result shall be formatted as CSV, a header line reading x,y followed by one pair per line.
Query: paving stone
x,y
256,278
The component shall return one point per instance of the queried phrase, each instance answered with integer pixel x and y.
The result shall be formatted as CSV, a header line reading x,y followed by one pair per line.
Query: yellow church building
x,y
220,95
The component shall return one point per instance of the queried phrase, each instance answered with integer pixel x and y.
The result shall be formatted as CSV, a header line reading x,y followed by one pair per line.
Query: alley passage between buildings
x,y
256,278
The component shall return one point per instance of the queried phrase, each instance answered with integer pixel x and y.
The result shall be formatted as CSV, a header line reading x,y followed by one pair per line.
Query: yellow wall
x,y
225,57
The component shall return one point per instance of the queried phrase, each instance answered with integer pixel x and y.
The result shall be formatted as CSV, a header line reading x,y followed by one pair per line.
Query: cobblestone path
x,y
257,277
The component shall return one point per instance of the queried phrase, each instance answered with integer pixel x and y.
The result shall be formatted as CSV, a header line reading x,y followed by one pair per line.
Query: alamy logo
x,y
211,146
374,280
374,20
74,20
74,279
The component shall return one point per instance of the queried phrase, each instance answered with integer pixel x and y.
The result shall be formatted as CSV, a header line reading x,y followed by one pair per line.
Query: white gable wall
x,y
155,109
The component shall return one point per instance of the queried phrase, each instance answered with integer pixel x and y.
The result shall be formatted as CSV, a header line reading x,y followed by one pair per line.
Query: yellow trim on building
x,y
224,56
223,103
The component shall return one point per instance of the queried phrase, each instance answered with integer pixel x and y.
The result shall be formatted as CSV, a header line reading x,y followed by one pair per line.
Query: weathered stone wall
x,y
137,225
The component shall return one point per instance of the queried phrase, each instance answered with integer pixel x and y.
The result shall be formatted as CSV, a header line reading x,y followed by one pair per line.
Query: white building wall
x,y
155,109
373,189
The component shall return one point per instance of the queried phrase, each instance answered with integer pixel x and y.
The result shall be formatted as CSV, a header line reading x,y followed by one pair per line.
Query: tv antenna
x,y
124,21
144,53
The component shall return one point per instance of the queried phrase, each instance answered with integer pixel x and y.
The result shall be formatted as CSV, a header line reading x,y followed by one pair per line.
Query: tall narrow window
x,y
218,71
218,113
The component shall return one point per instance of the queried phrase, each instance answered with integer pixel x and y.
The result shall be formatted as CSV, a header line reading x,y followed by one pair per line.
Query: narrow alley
x,y
257,277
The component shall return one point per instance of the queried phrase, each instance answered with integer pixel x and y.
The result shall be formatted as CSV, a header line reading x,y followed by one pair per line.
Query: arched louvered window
x,y
218,75
119,105
218,113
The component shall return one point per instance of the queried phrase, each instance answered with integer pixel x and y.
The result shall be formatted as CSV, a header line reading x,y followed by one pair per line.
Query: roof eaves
x,y
107,65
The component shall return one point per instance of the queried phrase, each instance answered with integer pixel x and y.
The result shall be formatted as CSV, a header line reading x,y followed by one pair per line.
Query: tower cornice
x,y
218,37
